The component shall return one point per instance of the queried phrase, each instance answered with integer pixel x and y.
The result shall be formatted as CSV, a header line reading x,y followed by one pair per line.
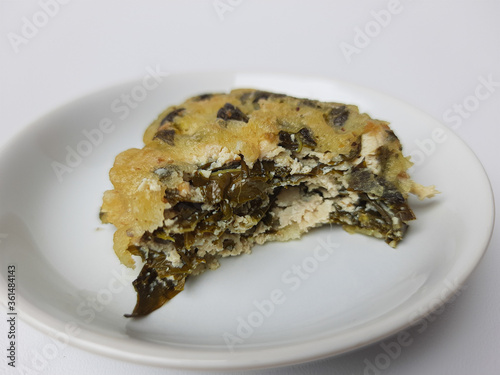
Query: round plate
x,y
325,294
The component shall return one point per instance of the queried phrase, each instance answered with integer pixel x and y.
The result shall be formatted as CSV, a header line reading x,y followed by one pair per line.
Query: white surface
x,y
289,302
431,54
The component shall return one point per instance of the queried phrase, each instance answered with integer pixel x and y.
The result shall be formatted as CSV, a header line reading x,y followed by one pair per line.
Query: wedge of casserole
x,y
222,172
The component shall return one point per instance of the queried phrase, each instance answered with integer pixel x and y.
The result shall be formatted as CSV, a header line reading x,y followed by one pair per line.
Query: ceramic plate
x,y
325,294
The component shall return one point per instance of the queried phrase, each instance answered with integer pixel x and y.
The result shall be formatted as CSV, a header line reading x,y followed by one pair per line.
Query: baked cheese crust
x,y
222,172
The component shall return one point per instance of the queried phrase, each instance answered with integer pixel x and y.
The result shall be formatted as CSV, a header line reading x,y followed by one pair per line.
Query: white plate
x,y
350,291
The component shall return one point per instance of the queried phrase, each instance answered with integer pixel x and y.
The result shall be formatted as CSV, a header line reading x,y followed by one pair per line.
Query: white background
x,y
432,54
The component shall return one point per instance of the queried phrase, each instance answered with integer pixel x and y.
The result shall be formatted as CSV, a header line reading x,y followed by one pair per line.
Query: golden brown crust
x,y
199,132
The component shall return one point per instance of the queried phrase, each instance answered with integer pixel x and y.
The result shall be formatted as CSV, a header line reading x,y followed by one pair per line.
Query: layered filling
x,y
223,210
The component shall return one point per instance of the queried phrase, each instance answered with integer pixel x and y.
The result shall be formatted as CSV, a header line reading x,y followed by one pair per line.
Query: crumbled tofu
x,y
423,192
205,173
149,184
348,203
370,142
304,211
224,156
174,257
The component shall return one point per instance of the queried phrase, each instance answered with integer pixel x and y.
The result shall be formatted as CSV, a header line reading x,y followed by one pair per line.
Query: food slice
x,y
220,173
